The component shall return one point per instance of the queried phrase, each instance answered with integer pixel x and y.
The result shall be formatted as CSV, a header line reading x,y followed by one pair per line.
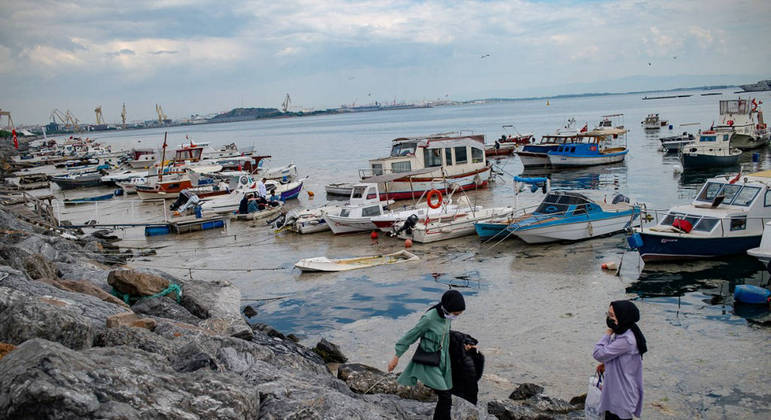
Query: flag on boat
x,y
15,140
585,129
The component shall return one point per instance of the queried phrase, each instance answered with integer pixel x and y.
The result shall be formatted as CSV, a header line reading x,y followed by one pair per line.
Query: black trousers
x,y
611,416
443,405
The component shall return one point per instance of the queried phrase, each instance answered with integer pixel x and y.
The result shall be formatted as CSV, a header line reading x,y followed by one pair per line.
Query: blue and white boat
x,y
495,228
536,154
726,218
597,147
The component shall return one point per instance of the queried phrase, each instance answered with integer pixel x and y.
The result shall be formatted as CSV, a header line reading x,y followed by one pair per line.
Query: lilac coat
x,y
622,391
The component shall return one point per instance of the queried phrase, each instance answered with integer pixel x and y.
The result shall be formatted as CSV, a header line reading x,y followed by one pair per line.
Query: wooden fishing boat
x,y
267,213
344,264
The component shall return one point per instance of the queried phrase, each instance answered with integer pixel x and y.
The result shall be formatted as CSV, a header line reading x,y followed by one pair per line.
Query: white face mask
x,y
451,317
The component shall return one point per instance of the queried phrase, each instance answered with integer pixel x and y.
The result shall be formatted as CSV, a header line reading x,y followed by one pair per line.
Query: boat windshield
x,y
559,203
734,194
403,149
358,192
699,223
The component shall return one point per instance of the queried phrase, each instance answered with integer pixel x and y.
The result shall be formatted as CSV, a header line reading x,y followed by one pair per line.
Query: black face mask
x,y
611,323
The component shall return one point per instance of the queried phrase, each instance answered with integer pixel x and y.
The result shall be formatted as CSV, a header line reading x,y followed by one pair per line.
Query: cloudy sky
x,y
197,56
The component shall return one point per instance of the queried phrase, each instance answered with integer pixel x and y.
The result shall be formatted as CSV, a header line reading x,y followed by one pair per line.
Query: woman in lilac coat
x,y
620,352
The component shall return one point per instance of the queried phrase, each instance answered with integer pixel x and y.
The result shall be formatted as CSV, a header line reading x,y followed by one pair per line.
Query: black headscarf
x,y
627,315
452,301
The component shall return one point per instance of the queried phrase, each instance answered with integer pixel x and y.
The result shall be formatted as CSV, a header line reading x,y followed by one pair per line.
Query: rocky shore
x,y
83,335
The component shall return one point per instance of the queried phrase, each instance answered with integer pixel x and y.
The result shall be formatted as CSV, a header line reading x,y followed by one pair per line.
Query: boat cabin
x,y
188,153
454,154
364,202
562,203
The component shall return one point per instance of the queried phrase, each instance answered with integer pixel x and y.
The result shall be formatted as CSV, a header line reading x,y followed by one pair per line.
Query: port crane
x,y
99,117
65,118
10,120
123,115
285,104
161,116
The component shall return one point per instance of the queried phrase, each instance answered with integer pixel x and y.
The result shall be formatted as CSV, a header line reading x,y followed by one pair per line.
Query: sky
x,y
201,57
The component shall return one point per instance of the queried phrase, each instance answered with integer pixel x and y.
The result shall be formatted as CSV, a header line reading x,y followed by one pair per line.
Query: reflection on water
x,y
332,305
607,177
711,283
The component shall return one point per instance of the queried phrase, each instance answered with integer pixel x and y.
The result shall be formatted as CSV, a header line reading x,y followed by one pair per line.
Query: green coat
x,y
431,328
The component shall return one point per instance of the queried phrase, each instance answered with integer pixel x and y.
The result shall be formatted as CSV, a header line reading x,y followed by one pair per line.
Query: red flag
x,y
15,140
586,127
733,181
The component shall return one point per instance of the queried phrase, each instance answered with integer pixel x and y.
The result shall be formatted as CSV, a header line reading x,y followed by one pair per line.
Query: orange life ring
x,y
430,199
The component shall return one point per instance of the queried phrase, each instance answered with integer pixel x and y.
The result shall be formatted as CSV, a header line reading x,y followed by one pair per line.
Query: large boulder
x,y
41,379
329,352
88,288
136,283
140,338
51,318
364,379
164,308
525,391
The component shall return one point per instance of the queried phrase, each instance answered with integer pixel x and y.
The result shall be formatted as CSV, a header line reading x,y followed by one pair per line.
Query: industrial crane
x,y
161,116
123,115
66,118
10,120
285,104
99,117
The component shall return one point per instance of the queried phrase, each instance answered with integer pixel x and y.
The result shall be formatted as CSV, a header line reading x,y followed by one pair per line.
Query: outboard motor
x,y
407,226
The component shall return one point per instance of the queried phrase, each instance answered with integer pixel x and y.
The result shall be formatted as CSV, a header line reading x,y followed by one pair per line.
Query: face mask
x,y
451,317
611,323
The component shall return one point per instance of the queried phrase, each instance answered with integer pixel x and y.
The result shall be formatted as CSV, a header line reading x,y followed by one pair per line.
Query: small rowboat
x,y
84,200
262,214
345,264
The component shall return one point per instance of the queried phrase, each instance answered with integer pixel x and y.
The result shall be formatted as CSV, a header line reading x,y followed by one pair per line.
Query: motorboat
x,y
450,224
356,215
653,122
114,178
246,184
345,264
744,120
267,213
130,186
341,189
495,228
596,147
78,179
727,217
673,144
536,154
416,162
763,252
573,216
308,220
508,143
712,150
143,158
170,187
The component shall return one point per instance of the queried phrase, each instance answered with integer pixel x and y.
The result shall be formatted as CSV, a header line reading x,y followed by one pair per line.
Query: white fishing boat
x,y
763,252
653,122
450,224
309,220
415,162
357,214
130,186
744,120
341,189
344,264
266,214
246,184
712,150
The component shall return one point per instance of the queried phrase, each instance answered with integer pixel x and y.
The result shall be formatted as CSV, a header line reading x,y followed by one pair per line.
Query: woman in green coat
x,y
433,329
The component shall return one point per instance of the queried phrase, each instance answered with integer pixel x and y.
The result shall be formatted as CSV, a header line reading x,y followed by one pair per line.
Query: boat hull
x,y
693,160
748,142
291,193
340,225
574,230
70,184
531,159
489,230
404,190
681,247
566,161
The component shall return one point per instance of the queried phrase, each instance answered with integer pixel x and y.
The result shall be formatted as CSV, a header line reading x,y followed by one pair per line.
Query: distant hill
x,y
248,114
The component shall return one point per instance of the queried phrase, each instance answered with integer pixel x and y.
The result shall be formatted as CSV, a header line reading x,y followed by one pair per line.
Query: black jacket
x,y
467,366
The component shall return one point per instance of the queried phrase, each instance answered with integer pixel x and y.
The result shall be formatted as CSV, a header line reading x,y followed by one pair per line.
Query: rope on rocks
x,y
173,287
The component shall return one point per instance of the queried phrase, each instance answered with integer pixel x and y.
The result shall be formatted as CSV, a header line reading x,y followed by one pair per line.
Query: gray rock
x,y
267,329
139,338
365,379
249,311
164,308
509,410
193,356
136,283
35,265
85,270
329,352
41,379
525,391
44,317
550,405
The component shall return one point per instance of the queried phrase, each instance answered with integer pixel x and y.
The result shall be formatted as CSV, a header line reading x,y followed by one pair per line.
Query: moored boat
x,y
653,122
356,215
345,264
712,150
727,217
763,251
590,148
744,120
536,154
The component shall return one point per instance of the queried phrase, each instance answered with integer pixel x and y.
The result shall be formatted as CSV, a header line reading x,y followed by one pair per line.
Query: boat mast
x,y
163,157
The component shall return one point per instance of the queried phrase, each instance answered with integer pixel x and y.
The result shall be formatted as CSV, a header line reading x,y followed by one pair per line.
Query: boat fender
x,y
730,123
635,241
430,199
747,293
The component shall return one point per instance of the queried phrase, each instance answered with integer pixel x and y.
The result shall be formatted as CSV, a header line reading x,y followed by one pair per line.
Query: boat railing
x,y
652,217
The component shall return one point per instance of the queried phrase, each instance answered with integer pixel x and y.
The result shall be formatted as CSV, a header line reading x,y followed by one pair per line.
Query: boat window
x,y
573,149
767,201
403,149
670,218
477,155
377,169
570,199
709,192
729,191
358,192
739,223
460,155
725,137
397,167
580,209
448,156
708,138
370,211
344,212
691,219
432,157
551,205
746,196
706,224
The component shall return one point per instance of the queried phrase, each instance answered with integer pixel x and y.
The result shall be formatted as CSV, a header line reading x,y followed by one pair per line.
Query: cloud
x,y
160,52
123,51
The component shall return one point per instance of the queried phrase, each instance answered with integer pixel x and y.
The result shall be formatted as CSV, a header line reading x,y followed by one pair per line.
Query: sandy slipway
x,y
75,354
